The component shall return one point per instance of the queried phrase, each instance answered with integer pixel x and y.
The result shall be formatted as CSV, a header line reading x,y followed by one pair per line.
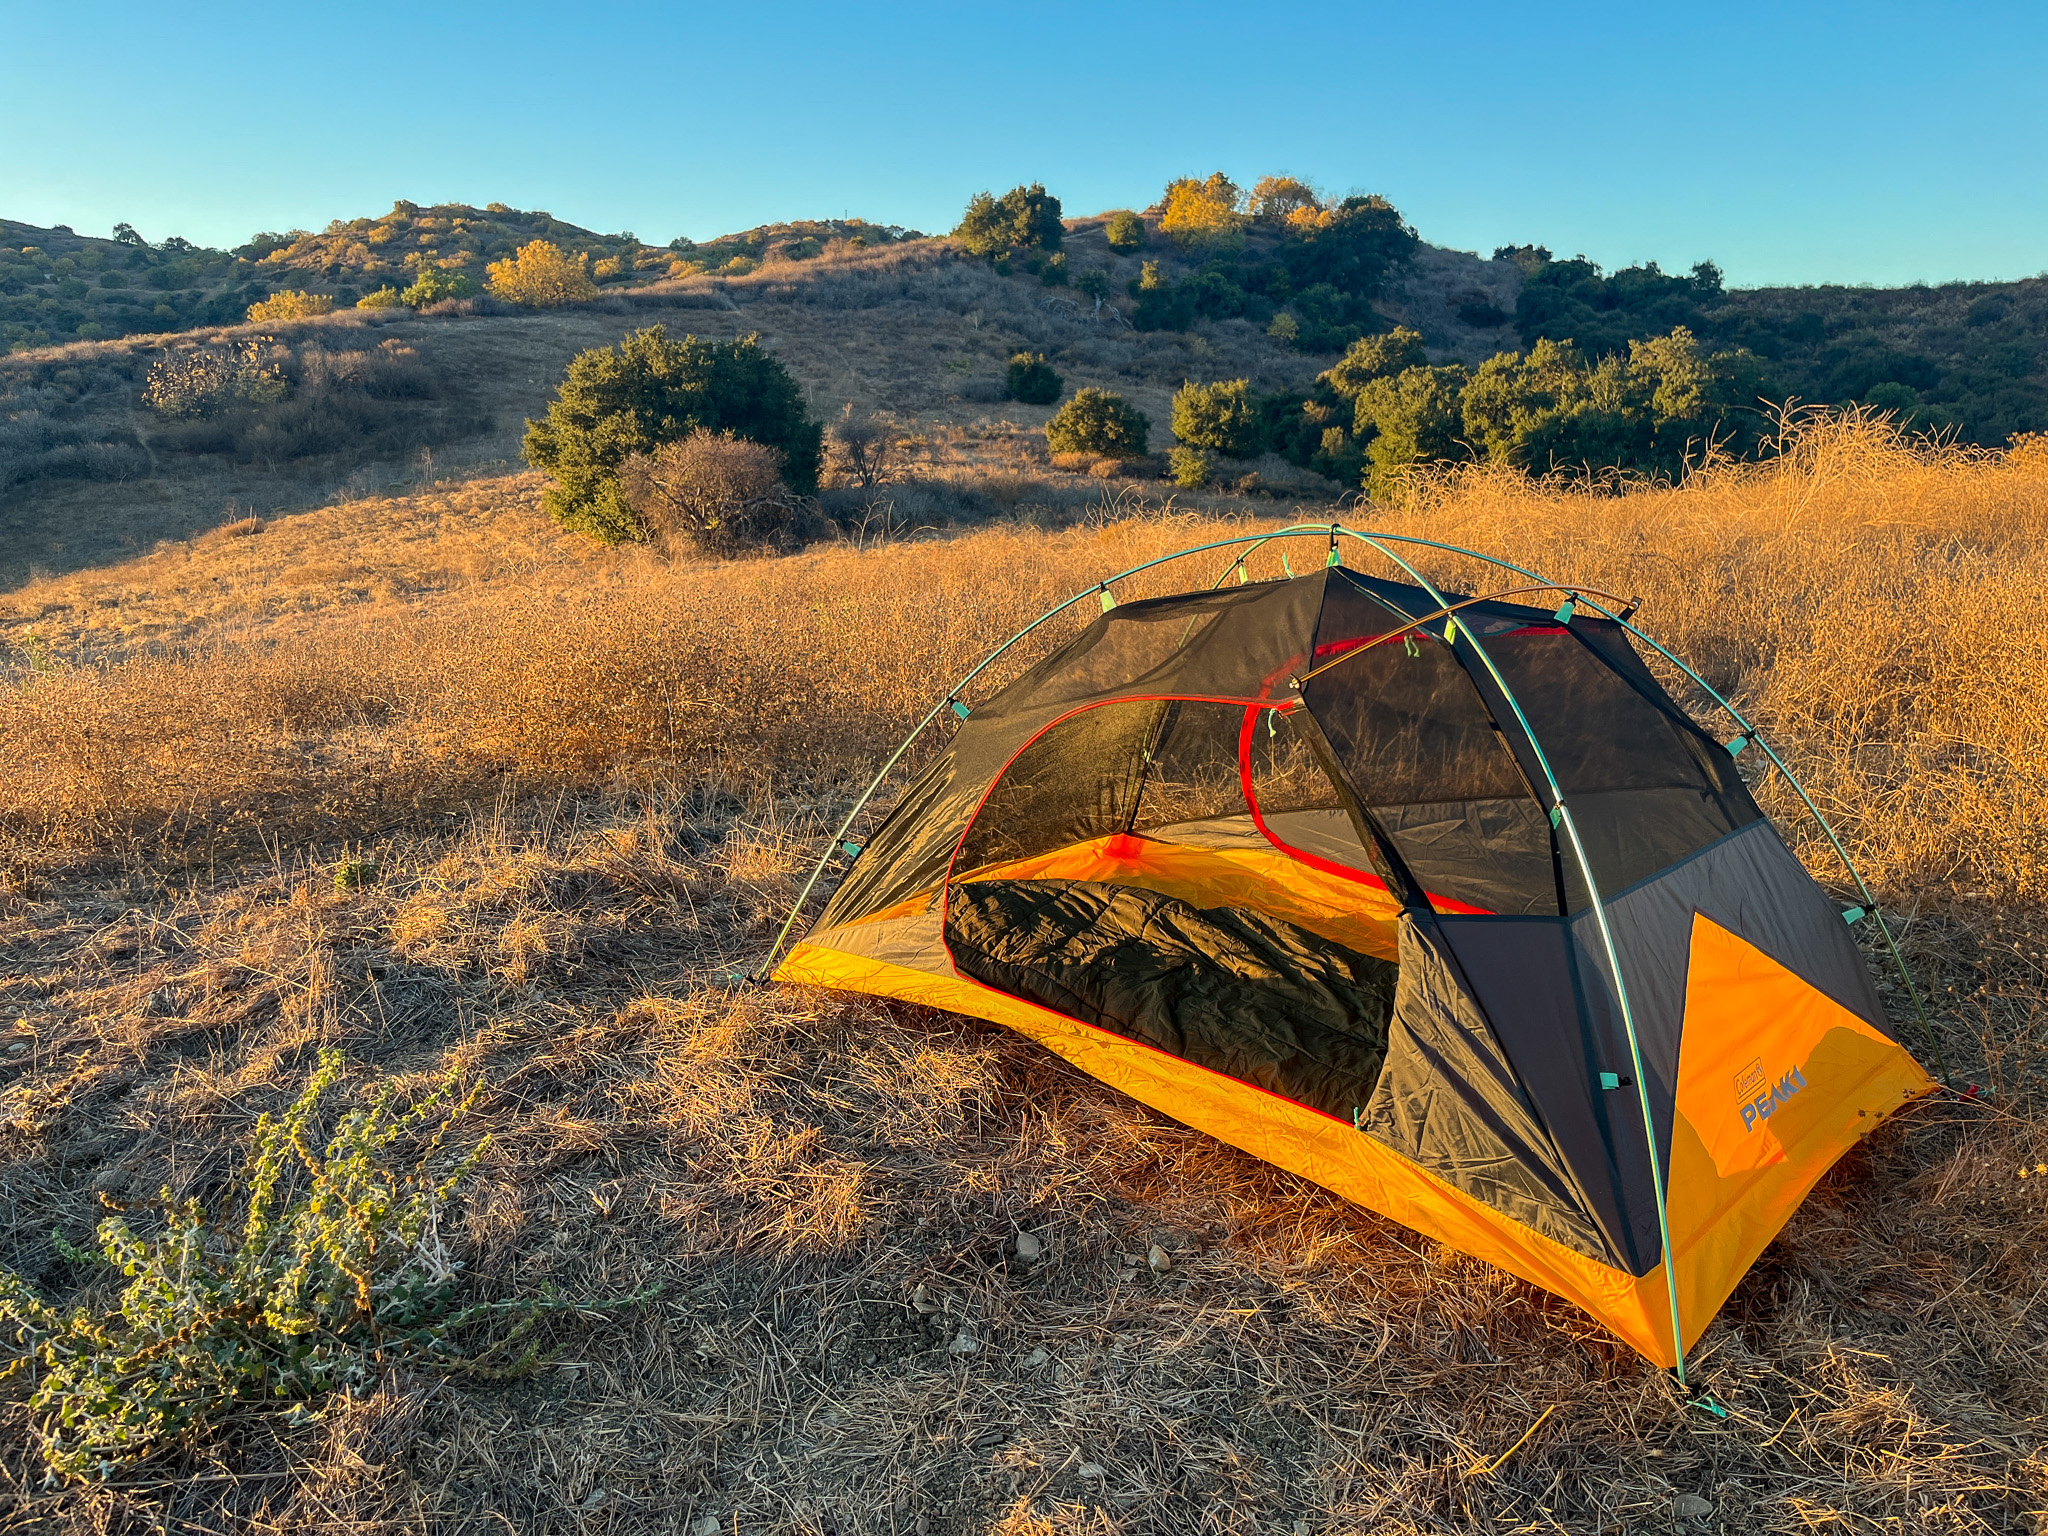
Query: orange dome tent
x,y
1441,902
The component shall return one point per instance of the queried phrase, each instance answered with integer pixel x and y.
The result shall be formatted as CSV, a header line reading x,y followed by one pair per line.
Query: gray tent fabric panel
x,y
1559,1037
1754,886
1451,1102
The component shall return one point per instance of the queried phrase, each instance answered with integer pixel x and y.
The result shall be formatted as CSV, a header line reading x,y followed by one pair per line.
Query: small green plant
x,y
1054,272
1191,468
1125,232
1096,421
383,298
354,874
339,1271
1032,381
433,285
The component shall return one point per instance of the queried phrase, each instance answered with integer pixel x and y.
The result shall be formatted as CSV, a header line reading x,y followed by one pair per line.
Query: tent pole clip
x,y
1734,744
1108,598
961,709
1569,607
1855,915
1609,1081
851,850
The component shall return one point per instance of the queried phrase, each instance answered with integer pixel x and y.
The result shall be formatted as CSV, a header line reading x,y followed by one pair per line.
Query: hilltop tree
x,y
1204,213
647,391
1023,218
1282,199
541,276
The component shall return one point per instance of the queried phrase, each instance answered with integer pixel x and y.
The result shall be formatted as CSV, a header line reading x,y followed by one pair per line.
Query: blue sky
x,y
1873,143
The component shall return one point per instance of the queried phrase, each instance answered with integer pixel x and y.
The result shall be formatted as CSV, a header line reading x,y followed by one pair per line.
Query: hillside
x,y
577,789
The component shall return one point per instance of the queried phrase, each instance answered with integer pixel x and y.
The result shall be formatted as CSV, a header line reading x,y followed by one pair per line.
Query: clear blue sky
x,y
1872,142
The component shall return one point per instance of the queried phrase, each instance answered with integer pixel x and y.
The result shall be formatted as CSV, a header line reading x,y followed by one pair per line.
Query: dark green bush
x,y
1125,232
647,391
1375,357
1222,417
1413,418
1022,218
1191,468
1054,271
1032,381
1095,421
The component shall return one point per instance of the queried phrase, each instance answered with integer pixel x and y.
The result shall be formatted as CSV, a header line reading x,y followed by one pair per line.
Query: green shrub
x,y
1125,232
1032,381
434,284
1375,357
1222,417
1022,218
1054,271
383,298
1413,419
339,1272
647,391
1191,468
1095,421
1094,283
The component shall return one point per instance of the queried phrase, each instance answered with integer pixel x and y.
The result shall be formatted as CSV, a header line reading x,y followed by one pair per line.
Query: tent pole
x,y
761,971
1742,724
1563,816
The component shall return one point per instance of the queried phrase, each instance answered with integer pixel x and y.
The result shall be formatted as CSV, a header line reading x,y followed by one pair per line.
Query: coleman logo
x,y
1758,1105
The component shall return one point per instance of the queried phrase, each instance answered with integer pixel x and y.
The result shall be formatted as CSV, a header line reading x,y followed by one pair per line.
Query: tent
x,y
1441,902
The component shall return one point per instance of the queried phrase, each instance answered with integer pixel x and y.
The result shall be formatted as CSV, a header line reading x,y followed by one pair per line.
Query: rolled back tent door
x,y
1425,907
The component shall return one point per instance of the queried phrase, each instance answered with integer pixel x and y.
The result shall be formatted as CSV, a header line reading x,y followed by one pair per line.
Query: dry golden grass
x,y
638,758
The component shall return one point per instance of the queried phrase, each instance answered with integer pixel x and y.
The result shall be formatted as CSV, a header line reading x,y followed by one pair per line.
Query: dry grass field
x,y
589,784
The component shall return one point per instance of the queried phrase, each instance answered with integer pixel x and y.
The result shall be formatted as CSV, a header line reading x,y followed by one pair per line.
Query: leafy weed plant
x,y
339,1272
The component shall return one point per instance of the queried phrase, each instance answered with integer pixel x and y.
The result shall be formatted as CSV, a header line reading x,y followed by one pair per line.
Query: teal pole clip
x,y
960,708
1108,598
1570,607
1707,1405
1335,558
1855,915
851,850
1735,744
1609,1081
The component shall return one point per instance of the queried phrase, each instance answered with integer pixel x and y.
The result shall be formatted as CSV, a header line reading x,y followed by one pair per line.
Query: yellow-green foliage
x,y
384,298
1204,213
291,304
541,276
188,385
338,1271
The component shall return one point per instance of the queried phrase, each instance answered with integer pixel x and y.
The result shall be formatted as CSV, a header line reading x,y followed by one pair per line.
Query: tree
x,y
1375,357
862,447
541,276
1413,418
1280,198
125,234
1354,247
1223,417
647,391
1021,219
1125,232
1204,213
1032,381
1095,421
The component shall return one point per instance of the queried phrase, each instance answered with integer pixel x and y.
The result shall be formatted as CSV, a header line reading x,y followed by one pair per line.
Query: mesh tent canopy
x,y
1440,901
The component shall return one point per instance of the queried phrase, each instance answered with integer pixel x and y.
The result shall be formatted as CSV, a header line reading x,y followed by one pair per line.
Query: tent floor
x,y
1236,991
